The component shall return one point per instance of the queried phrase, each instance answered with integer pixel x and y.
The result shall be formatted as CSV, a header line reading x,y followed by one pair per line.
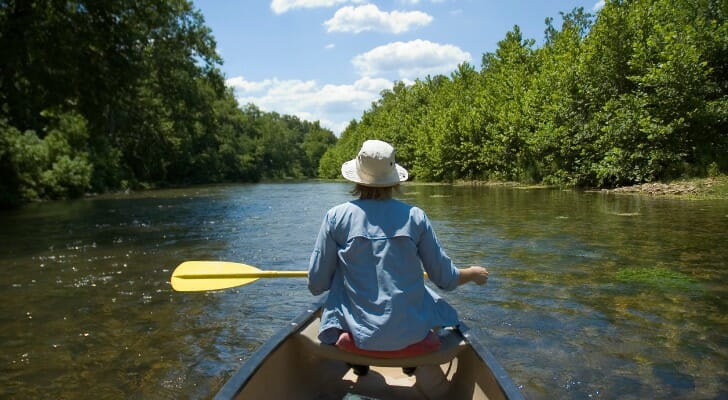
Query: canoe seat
x,y
451,345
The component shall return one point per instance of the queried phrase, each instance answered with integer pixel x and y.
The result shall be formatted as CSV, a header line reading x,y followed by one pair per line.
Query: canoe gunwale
x,y
256,360
504,380
238,381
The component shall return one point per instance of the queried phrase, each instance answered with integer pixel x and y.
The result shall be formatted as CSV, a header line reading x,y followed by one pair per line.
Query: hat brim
x,y
350,172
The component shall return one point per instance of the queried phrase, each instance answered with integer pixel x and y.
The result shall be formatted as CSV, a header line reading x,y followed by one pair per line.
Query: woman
x,y
370,254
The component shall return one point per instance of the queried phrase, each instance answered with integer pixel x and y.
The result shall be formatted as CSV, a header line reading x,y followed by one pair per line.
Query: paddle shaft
x,y
195,276
256,274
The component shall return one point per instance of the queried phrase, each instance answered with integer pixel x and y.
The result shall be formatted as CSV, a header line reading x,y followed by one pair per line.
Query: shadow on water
x,y
591,295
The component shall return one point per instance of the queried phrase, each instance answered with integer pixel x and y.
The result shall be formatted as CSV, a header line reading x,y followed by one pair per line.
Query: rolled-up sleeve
x,y
439,267
322,265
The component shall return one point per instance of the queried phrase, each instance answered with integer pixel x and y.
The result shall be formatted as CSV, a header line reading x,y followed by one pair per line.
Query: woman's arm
x,y
474,273
323,262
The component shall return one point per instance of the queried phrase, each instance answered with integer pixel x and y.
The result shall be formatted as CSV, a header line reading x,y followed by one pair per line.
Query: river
x,y
591,295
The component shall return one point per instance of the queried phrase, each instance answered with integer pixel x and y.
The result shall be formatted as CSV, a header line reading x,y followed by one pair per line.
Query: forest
x,y
637,93
98,96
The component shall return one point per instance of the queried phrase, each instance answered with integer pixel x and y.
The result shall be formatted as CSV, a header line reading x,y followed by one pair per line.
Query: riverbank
x,y
713,188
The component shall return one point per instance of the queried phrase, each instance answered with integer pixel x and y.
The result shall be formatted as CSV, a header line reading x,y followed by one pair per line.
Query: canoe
x,y
294,364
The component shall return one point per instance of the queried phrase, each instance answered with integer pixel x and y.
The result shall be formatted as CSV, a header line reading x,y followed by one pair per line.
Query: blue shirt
x,y
370,255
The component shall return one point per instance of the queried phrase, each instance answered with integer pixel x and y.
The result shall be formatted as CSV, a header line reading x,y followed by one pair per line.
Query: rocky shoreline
x,y
695,188
659,189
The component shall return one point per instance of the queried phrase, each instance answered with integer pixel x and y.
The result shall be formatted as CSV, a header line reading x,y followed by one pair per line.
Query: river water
x,y
591,296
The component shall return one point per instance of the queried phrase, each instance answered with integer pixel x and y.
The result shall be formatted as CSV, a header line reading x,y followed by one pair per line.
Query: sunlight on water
x,y
591,295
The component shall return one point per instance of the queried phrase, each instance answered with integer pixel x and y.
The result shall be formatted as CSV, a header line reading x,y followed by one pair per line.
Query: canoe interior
x,y
289,367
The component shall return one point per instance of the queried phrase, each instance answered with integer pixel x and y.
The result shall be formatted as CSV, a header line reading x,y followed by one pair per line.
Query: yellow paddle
x,y
196,276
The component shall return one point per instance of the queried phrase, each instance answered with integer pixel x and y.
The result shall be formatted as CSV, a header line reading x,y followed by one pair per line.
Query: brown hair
x,y
373,193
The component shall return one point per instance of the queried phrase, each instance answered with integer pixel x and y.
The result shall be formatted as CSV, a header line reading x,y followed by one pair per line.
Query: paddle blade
x,y
197,276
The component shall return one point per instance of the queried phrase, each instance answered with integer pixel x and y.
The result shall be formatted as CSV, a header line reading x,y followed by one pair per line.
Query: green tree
x,y
657,108
144,79
559,102
508,75
52,167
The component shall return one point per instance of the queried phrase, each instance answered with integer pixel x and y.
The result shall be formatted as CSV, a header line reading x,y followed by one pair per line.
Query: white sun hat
x,y
374,166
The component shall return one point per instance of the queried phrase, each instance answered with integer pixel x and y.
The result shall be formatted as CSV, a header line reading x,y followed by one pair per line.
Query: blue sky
x,y
328,60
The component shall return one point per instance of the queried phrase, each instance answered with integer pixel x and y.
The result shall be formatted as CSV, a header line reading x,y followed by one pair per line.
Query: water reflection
x,y
591,295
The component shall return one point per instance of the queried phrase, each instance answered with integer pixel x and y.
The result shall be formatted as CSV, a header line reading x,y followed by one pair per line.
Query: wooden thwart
x,y
451,345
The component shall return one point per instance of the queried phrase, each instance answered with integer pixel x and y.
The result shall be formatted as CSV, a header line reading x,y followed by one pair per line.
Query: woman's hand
x,y
475,274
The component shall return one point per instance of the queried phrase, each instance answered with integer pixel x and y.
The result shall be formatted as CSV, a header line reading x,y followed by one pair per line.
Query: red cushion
x,y
426,345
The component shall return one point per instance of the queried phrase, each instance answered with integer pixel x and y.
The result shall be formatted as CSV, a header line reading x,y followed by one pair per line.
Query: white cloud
x,y
598,6
370,18
333,105
410,60
282,6
416,2
239,83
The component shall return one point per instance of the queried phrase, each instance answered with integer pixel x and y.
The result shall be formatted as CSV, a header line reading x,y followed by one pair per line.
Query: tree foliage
x,y
103,95
636,93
